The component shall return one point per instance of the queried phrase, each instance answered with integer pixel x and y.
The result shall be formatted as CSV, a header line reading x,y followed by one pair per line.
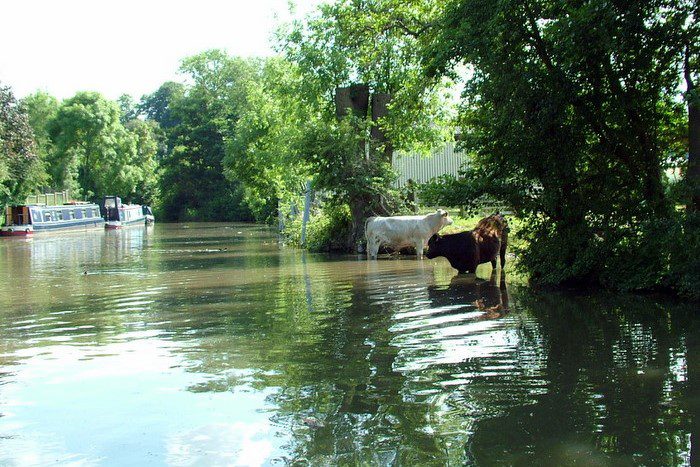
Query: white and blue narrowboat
x,y
24,220
118,215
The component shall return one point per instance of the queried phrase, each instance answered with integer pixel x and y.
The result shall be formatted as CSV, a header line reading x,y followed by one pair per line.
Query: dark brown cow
x,y
466,250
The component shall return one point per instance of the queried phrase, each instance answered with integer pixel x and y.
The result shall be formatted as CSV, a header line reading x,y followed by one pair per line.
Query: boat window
x,y
47,216
95,213
59,215
72,214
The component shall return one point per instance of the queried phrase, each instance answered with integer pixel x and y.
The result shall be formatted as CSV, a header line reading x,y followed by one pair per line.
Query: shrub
x,y
327,230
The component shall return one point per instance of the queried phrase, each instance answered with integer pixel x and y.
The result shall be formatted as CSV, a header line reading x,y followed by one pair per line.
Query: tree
x,y
193,185
354,45
264,150
691,72
144,188
568,117
128,107
41,109
20,167
95,154
158,106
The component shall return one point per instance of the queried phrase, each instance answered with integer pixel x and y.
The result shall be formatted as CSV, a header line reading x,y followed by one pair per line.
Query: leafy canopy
x,y
571,116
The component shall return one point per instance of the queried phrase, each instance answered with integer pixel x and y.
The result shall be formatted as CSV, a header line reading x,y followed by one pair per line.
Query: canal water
x,y
211,344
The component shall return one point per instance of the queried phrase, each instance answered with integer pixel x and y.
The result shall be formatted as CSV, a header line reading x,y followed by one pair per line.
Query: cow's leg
x,y
502,250
493,264
419,250
372,248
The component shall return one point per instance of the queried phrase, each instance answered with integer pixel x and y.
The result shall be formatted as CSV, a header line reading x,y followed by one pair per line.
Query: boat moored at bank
x,y
25,220
118,214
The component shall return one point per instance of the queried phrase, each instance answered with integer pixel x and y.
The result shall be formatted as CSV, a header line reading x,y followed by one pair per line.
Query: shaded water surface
x,y
209,344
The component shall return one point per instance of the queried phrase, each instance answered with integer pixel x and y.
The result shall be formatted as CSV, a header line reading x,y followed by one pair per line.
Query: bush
x,y
328,229
684,255
639,256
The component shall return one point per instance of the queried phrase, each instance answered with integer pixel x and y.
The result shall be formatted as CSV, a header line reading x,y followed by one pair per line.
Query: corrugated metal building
x,y
420,169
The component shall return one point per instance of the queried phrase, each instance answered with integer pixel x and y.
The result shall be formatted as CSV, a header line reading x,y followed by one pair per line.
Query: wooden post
x,y
354,98
307,211
280,216
380,109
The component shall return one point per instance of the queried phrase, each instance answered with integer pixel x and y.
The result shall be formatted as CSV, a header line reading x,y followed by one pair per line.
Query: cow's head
x,y
495,224
445,219
502,222
433,247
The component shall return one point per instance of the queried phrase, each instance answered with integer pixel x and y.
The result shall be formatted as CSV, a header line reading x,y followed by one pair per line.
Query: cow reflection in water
x,y
489,296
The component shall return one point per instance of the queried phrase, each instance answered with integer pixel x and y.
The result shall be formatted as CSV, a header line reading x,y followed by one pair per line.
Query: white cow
x,y
402,231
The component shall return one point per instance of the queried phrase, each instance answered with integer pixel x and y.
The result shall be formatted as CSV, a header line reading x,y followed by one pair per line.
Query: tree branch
x,y
686,70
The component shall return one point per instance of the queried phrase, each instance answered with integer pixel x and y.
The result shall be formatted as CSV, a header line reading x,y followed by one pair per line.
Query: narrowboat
x,y
118,215
23,220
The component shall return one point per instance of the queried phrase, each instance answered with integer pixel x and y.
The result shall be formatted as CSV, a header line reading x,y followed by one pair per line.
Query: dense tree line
x,y
20,165
571,113
80,145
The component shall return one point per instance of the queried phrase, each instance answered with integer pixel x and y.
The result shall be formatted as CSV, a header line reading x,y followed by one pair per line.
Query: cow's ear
x,y
444,213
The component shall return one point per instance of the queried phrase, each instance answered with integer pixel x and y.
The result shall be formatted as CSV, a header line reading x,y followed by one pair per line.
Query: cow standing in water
x,y
466,250
402,231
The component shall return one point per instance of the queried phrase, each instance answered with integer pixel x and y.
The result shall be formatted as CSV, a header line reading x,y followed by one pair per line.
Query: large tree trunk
x,y
354,98
361,208
693,394
359,211
693,175
694,152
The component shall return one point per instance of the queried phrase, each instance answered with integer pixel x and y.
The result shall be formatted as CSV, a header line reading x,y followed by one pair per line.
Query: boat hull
x,y
28,230
17,231
119,224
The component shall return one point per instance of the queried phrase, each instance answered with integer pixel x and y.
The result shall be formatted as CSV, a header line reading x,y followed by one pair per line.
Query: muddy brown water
x,y
211,344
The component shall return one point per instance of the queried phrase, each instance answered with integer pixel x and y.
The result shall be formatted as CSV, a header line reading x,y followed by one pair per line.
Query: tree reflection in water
x,y
336,361
417,372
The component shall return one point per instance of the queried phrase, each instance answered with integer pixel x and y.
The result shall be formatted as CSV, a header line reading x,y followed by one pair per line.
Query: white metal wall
x,y
420,169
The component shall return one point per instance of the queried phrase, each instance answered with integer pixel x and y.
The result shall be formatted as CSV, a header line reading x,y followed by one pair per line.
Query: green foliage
x,y
128,107
94,154
193,185
145,136
158,106
376,43
683,251
331,150
327,230
647,255
41,109
263,149
571,116
20,167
